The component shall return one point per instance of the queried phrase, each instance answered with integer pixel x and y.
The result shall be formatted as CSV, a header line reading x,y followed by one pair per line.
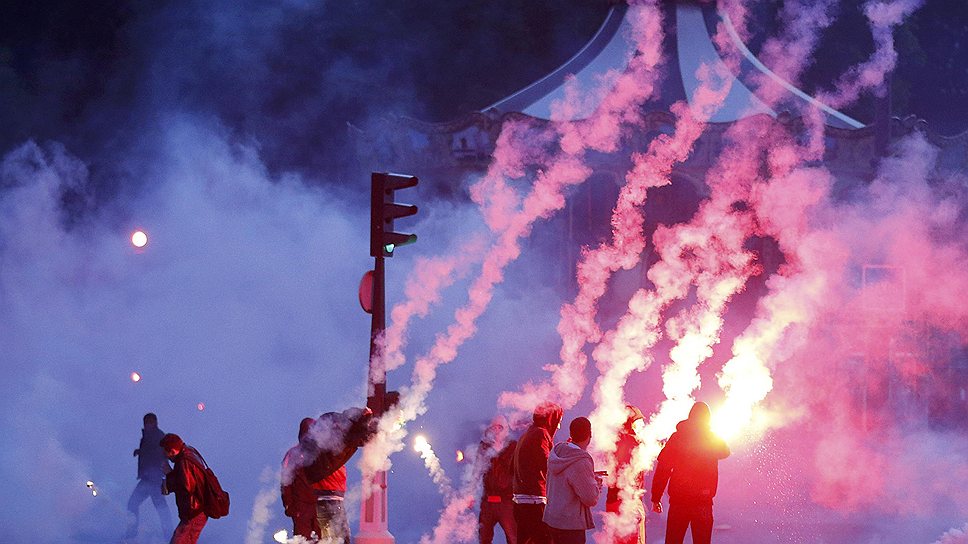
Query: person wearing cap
x,y
689,463
573,486
298,496
185,480
531,474
496,507
624,447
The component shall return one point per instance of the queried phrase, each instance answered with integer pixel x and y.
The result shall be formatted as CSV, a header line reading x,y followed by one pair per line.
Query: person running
x,y
152,468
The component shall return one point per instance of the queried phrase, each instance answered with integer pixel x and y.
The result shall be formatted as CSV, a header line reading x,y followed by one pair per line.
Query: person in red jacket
x,y
689,463
336,437
624,446
531,474
185,480
298,496
496,507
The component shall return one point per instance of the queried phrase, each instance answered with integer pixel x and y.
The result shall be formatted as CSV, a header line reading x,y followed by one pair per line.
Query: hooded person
x,y
335,438
152,468
573,486
689,463
298,496
186,481
531,473
496,507
624,447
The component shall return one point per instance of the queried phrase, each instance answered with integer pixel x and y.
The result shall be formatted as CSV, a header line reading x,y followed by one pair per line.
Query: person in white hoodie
x,y
573,486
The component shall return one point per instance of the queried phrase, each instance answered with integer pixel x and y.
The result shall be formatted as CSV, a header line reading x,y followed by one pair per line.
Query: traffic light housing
x,y
383,210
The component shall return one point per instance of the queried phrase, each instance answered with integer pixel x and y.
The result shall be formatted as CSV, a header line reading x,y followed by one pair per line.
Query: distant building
x,y
458,150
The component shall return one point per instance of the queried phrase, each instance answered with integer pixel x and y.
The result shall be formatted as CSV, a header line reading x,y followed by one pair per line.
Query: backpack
x,y
215,500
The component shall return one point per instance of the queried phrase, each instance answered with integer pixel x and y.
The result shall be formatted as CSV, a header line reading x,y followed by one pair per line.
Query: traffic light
x,y
383,210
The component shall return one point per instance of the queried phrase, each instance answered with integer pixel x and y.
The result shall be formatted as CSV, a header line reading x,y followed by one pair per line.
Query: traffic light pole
x,y
374,528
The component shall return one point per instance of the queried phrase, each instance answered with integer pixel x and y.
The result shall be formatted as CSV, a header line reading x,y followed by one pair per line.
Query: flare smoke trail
x,y
562,170
730,181
796,293
719,266
261,508
954,536
577,325
432,462
458,520
422,291
651,169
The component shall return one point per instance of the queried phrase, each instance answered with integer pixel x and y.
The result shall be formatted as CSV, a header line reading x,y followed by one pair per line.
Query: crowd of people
x,y
539,492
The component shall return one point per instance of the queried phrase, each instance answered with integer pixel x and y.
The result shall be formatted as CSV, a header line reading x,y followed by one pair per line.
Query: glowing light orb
x,y
201,406
460,456
281,536
135,377
420,443
139,239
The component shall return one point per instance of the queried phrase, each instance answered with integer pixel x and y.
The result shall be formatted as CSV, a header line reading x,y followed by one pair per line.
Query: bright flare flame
x,y
432,462
139,239
460,456
135,377
281,536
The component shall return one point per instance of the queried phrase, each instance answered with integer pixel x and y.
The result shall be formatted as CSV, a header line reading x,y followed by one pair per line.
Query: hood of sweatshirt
x,y
564,455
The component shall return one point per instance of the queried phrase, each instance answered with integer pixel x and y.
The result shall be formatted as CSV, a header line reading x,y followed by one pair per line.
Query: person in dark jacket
x,y
298,496
531,474
624,447
573,486
185,480
689,463
496,507
335,438
152,468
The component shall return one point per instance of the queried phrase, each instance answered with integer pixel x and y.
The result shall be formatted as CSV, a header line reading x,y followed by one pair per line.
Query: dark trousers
x,y
148,488
493,513
531,530
333,526
568,536
682,516
188,530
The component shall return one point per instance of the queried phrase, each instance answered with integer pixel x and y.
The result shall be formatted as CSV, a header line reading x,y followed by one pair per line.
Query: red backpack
x,y
215,500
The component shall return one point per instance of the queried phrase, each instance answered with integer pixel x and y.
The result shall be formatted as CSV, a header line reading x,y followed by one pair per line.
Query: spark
x,y
135,377
139,239
201,406
460,456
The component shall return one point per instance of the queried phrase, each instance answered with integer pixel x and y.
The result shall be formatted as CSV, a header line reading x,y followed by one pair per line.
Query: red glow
x,y
135,377
201,406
